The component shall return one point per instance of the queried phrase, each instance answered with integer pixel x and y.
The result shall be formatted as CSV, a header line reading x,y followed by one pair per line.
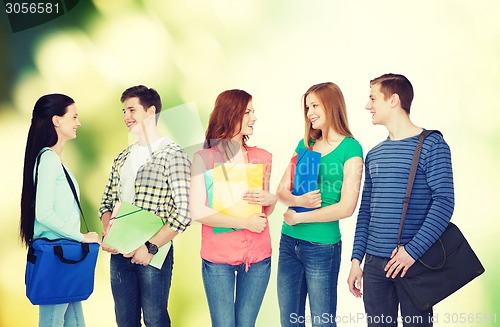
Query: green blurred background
x,y
192,50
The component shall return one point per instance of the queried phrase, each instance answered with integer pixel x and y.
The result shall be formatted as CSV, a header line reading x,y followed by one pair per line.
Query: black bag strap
x,y
31,257
71,185
36,174
411,178
58,251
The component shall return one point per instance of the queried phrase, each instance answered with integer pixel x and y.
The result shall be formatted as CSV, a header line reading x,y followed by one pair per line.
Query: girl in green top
x,y
55,213
310,245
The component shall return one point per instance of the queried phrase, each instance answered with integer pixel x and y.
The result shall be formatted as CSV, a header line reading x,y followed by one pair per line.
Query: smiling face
x,y
315,112
134,114
67,124
379,107
248,121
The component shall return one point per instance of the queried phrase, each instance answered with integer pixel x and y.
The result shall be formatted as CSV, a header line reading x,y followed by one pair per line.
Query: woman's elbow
x,y
281,193
196,212
43,215
348,210
269,209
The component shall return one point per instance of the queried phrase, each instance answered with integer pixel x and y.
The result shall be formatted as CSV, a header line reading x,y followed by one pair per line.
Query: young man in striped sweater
x,y
387,167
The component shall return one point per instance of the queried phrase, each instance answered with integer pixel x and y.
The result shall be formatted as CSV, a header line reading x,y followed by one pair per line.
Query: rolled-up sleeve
x,y
178,173
107,197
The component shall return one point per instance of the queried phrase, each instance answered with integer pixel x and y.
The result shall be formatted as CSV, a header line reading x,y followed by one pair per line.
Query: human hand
x,y
355,279
290,217
400,260
310,199
256,223
108,249
129,255
91,237
141,256
259,197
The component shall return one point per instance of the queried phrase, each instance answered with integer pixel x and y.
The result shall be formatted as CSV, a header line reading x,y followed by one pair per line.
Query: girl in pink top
x,y
241,255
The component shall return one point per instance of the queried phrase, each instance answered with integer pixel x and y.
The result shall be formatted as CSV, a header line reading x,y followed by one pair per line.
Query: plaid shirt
x,y
161,185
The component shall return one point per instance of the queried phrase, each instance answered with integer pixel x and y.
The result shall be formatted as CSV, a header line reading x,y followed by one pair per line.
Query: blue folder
x,y
306,173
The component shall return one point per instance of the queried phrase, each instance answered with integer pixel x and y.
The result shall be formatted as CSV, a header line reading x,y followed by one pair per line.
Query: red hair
x,y
225,120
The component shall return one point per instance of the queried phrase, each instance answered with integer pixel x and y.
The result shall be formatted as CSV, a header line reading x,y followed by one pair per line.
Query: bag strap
x,y
73,190
31,252
411,178
58,251
71,185
36,173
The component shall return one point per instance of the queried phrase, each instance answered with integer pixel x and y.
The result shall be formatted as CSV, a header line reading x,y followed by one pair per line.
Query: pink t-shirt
x,y
240,246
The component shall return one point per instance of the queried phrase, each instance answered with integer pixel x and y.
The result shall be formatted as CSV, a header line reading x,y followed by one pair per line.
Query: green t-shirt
x,y
331,175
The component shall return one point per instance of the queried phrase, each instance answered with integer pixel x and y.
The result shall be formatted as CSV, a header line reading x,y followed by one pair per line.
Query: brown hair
x,y
396,84
147,97
229,109
332,100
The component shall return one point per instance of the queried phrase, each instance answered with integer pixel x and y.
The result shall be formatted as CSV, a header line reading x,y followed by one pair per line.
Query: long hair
x,y
41,134
332,100
228,113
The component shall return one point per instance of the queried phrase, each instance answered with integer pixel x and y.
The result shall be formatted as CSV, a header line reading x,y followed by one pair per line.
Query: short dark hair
x,y
396,84
147,97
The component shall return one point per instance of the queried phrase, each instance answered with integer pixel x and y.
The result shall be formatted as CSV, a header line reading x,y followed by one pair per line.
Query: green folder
x,y
131,228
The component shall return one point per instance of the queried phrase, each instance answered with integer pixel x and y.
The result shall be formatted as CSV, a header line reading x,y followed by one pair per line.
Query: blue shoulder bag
x,y
61,270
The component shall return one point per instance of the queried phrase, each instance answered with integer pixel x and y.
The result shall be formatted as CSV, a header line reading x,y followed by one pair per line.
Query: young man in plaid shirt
x,y
153,174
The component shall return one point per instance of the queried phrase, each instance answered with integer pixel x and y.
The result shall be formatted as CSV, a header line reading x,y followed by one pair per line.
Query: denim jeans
x,y
136,286
307,268
230,309
59,315
382,296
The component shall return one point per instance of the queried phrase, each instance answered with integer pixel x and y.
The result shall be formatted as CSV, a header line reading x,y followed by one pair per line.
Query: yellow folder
x,y
230,182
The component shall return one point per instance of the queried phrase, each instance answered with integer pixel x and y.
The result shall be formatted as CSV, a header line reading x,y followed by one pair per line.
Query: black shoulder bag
x,y
448,264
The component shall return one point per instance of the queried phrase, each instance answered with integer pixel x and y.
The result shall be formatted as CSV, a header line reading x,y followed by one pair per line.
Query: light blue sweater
x,y
56,212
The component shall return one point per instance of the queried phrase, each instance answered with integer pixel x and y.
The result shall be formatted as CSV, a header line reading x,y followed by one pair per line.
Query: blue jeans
x,y
308,268
228,309
382,296
59,315
136,286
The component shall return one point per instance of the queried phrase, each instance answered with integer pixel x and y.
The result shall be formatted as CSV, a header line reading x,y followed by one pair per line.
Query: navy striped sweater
x,y
387,167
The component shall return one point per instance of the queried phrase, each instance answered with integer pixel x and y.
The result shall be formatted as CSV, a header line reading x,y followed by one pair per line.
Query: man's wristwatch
x,y
152,248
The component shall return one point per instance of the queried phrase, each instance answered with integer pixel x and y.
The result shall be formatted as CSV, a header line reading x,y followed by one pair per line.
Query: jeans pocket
x,y
368,258
206,263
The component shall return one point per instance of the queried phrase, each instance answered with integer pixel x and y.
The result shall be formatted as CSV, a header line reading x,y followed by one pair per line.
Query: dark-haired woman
x,y
56,213
240,258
